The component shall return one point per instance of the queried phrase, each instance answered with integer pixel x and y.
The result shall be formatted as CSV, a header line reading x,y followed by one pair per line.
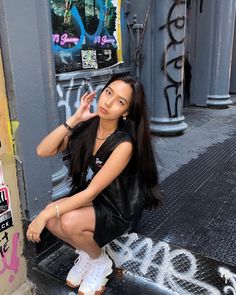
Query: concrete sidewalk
x,y
206,127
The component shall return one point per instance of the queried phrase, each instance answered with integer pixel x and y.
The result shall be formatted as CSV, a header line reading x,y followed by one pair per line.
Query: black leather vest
x,y
122,196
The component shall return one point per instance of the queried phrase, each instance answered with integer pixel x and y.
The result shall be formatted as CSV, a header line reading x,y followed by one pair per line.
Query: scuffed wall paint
x,y
12,262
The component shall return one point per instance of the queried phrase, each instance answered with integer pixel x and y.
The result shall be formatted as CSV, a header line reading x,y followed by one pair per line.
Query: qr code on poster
x,y
89,59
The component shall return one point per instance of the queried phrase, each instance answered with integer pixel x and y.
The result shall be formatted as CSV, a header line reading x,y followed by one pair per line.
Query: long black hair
x,y
137,126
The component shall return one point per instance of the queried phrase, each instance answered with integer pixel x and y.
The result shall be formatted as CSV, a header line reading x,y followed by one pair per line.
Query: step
x,y
55,267
155,267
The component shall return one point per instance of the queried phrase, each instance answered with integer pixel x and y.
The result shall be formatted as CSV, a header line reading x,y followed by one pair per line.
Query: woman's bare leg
x,y
76,228
54,226
89,273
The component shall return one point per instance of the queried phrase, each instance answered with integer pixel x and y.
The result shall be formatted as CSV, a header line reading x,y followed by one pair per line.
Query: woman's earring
x,y
124,118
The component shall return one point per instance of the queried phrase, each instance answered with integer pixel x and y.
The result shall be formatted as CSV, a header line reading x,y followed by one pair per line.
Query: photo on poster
x,y
86,34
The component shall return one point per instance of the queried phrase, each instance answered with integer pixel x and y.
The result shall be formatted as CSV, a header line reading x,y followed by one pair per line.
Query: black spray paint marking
x,y
174,26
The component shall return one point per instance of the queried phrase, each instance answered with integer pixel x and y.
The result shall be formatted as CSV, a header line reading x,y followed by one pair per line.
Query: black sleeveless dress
x,y
119,206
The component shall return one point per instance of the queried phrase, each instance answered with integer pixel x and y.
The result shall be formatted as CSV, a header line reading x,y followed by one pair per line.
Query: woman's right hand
x,y
57,140
83,112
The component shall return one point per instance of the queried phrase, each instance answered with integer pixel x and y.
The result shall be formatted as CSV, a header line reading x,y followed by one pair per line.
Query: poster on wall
x,y
86,34
6,219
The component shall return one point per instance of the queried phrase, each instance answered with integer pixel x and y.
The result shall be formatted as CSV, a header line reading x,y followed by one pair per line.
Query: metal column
x,y
222,53
59,171
168,66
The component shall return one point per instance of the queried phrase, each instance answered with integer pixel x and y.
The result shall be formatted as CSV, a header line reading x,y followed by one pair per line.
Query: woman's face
x,y
115,100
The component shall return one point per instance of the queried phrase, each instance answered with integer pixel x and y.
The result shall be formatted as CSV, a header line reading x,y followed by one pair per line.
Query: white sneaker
x,y
97,276
79,270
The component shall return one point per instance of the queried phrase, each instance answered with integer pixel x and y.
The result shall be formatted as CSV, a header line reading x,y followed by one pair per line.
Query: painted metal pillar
x,y
223,31
31,90
168,66
60,182
232,89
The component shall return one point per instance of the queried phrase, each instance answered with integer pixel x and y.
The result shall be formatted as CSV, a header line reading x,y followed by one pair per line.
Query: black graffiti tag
x,y
175,26
4,244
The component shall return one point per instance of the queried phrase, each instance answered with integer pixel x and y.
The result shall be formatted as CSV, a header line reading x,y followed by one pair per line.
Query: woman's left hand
x,y
35,228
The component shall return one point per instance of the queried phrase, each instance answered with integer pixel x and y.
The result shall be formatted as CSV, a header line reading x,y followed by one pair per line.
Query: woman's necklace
x,y
103,138
99,138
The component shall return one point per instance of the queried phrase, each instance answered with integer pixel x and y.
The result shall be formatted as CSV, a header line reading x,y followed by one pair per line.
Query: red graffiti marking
x,y
10,261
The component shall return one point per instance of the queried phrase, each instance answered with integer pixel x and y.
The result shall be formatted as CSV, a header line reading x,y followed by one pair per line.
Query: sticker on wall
x,y
6,219
89,59
86,34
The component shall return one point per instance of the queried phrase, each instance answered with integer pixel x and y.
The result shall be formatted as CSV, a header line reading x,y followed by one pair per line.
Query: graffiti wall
x,y
86,34
69,95
12,263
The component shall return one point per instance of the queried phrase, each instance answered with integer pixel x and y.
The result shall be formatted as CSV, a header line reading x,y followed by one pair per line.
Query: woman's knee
x,y
51,224
69,224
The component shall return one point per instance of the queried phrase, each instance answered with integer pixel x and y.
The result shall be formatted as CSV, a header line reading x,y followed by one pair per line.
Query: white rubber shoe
x,y
96,277
79,270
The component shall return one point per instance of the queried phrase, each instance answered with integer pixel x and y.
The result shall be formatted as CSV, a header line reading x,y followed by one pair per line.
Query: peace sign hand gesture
x,y
83,112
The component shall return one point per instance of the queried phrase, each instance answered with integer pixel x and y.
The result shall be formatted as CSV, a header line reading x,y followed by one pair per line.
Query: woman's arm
x,y
115,164
57,140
